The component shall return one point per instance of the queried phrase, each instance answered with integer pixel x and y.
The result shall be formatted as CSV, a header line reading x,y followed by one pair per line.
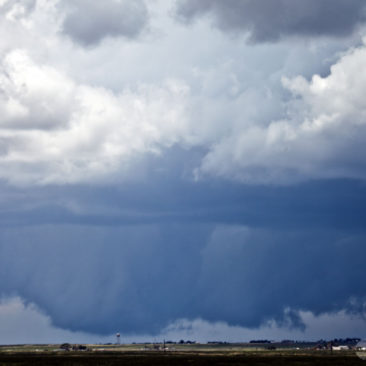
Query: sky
x,y
182,170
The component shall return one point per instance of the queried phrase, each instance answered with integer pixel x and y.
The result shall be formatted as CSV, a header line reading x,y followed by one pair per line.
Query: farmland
x,y
197,354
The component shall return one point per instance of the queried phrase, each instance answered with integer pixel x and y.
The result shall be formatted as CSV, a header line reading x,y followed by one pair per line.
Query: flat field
x,y
191,355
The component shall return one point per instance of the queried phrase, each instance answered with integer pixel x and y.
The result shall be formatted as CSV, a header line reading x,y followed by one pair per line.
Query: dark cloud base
x,y
139,279
138,257
332,204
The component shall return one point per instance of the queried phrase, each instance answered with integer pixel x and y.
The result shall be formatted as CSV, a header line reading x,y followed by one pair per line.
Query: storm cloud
x,y
139,257
269,21
157,176
139,279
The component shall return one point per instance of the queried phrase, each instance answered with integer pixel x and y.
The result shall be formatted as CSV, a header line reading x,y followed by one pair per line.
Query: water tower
x,y
118,336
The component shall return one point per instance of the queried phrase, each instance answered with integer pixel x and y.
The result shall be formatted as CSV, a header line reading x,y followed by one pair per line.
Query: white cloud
x,y
55,130
70,114
33,97
14,10
321,138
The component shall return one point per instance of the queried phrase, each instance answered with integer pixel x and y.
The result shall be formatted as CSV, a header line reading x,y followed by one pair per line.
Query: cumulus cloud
x,y
59,125
321,137
55,130
270,21
14,10
88,22
33,97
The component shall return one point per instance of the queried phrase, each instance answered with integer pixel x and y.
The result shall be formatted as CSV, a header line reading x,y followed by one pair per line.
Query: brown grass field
x,y
199,355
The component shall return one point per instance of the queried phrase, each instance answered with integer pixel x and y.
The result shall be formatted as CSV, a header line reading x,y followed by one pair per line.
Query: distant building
x,y
340,348
361,346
